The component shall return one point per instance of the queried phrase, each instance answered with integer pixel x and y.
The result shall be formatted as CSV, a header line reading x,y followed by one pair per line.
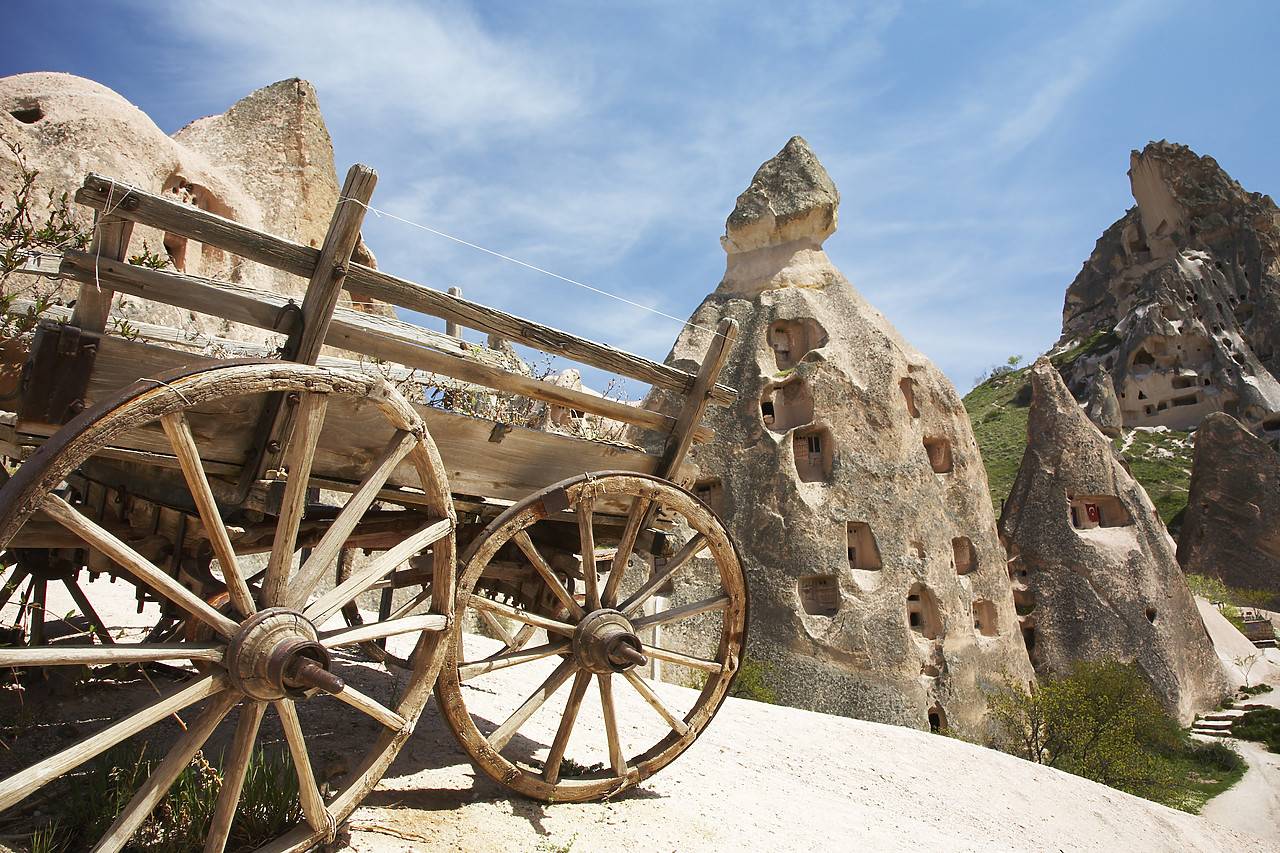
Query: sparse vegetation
x,y
1261,725
753,681
1101,721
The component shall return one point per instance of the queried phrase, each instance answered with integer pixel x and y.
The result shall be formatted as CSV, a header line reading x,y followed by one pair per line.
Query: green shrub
x,y
1262,725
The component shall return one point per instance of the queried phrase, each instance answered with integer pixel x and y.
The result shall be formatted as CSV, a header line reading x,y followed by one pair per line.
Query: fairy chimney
x,y
1094,569
848,475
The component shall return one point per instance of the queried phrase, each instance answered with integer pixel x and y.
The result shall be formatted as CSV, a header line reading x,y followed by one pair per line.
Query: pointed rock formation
x,y
848,475
1232,526
1095,571
1180,300
267,163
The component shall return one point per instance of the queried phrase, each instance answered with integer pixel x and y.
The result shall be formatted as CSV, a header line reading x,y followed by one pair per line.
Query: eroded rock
x,y
848,475
1095,573
1180,300
1232,526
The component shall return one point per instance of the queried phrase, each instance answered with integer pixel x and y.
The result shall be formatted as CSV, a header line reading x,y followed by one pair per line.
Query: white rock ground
x,y
771,778
766,777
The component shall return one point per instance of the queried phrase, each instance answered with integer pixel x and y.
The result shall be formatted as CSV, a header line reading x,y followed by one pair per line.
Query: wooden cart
x,y
256,503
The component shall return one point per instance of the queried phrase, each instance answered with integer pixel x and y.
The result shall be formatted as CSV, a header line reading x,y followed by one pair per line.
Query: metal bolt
x,y
293,398
130,202
339,271
273,446
76,406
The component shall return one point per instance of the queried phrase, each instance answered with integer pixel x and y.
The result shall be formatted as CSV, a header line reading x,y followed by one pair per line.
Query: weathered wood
x,y
617,759
581,681
379,338
313,808
301,260
111,235
112,654
521,715
310,422
678,725
233,775
372,708
540,565
380,630
19,785
698,398
490,664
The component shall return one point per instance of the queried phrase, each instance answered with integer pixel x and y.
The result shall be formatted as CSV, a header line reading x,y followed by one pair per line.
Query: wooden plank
x,y
111,235
699,396
301,260
377,337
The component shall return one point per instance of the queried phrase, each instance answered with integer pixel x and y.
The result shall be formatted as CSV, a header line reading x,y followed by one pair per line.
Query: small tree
x,y
1097,720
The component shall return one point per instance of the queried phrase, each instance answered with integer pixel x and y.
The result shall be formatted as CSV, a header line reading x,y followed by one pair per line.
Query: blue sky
x,y
980,147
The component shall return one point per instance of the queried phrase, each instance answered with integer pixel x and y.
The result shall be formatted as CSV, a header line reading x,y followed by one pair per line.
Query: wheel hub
x,y
277,654
604,642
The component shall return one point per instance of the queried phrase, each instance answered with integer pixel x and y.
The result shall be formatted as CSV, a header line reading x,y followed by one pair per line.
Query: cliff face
x,y
1181,297
848,475
1095,571
1232,526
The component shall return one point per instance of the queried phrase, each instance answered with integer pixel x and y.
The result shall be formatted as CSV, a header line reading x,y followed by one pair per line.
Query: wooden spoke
x,y
587,539
379,630
626,545
544,570
675,614
142,568
39,597
495,625
637,600
585,637
617,760
104,655
479,602
498,740
313,807
372,707
11,584
23,783
188,454
678,725
581,681
412,604
233,775
682,659
302,448
157,784
502,661
96,625
332,601
326,551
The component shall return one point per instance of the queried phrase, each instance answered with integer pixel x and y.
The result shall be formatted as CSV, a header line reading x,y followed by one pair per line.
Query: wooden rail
x,y
122,201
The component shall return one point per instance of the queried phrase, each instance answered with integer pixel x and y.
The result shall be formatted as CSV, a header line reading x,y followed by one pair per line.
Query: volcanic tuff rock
x,y
1095,571
1180,299
1232,526
267,163
848,475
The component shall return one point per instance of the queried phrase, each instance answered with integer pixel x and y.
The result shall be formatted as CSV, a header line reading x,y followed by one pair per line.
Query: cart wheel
x,y
276,644
628,620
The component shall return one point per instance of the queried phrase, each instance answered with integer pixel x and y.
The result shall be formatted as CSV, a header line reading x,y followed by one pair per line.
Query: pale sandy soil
x,y
771,778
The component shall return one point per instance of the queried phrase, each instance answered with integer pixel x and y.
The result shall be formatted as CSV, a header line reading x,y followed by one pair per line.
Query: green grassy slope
x,y
1159,459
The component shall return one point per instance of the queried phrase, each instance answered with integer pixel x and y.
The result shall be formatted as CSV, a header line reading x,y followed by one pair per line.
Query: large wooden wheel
x,y
270,639
577,596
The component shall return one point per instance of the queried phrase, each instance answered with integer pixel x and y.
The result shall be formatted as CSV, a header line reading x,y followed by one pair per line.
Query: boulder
x,y
1095,570
1180,301
848,475
1232,527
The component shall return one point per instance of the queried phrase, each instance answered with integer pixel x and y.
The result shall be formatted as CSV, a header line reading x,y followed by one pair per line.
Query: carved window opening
x,y
984,618
791,340
711,493
937,719
1029,637
190,256
1151,614
1090,511
908,386
929,670
786,406
812,452
923,615
1190,400
819,594
962,556
1271,422
939,452
28,114
861,546
1183,382
1142,358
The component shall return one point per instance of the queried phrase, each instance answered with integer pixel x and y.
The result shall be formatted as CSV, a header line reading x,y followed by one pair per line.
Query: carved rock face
x,y
1095,573
1185,290
848,475
267,163
1232,525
